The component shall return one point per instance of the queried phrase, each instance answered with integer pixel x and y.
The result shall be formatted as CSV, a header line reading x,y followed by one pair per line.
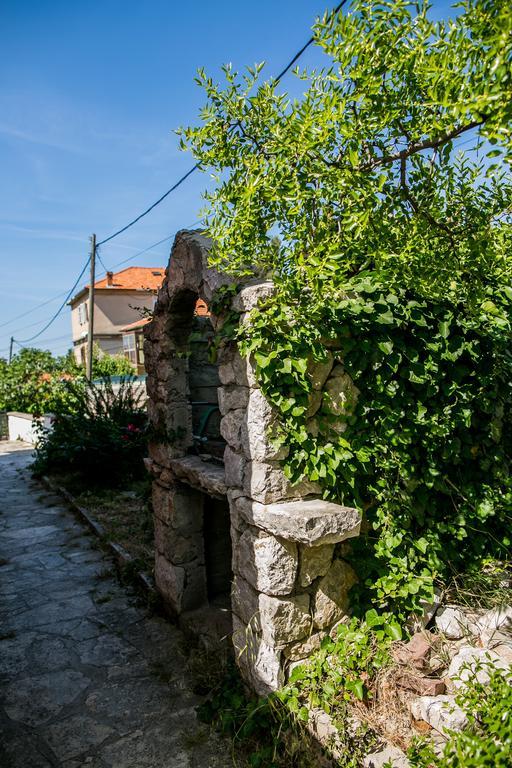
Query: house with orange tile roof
x,y
119,298
133,337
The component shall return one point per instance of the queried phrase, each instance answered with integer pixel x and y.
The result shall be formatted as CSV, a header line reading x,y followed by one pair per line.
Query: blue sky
x,y
90,93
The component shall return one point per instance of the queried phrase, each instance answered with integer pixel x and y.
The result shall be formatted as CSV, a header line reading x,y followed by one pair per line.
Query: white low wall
x,y
24,426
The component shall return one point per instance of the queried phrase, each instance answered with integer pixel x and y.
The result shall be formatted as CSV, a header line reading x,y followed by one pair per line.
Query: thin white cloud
x,y
20,135
49,234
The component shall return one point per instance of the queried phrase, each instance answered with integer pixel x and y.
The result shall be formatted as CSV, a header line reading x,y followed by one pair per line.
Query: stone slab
x,y
312,522
203,475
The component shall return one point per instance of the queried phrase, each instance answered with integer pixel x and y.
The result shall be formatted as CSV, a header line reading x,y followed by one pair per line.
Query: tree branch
x,y
418,210
419,146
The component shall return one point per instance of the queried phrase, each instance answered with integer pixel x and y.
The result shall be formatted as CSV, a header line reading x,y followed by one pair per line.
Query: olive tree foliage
x,y
387,185
361,172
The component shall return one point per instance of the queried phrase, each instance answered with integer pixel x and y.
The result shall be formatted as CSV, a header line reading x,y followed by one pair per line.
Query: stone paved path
x,y
87,677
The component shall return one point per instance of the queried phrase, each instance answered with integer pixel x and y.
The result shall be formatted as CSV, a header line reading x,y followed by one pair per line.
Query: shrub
x,y
103,441
110,365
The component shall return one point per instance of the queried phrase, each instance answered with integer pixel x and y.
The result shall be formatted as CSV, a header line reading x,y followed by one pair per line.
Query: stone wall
x,y
290,582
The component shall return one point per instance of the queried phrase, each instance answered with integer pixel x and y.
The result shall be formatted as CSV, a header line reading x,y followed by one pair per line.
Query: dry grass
x,y
125,514
387,712
387,709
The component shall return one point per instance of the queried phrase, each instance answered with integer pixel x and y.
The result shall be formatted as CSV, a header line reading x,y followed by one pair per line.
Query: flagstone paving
x,y
87,676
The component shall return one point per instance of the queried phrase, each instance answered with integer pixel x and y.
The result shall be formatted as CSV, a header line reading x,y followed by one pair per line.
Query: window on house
x,y
129,348
83,314
140,348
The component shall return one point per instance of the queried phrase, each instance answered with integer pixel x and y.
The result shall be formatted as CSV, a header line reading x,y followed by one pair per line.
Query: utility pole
x,y
90,332
10,348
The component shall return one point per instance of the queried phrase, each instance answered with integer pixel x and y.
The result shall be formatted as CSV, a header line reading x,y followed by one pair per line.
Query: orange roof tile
x,y
134,279
201,310
137,324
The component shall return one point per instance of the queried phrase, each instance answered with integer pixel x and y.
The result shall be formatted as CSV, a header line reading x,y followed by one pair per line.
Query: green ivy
x,y
426,445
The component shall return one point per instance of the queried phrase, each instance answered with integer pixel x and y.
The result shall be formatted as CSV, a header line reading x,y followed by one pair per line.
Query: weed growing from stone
x,y
488,739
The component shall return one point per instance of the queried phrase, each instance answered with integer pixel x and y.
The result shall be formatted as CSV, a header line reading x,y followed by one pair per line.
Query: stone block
x,y
244,601
265,482
474,664
284,620
340,397
417,651
231,427
234,465
156,413
259,663
269,564
246,642
330,601
301,650
268,674
319,370
495,620
213,280
237,521
314,403
232,398
170,582
389,756
161,453
314,562
235,369
200,475
451,621
258,429
178,423
186,510
423,686
251,294
310,521
161,500
176,547
441,712
166,479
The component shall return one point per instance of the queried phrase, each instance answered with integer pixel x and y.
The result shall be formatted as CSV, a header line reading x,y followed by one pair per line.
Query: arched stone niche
x,y
288,582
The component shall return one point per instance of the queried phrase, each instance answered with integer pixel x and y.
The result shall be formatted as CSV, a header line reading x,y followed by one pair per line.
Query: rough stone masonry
x,y
290,582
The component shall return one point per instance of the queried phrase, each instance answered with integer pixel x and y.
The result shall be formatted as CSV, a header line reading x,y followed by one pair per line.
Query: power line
x,y
66,293
150,247
306,46
196,166
139,253
29,311
154,205
48,341
57,313
100,259
157,202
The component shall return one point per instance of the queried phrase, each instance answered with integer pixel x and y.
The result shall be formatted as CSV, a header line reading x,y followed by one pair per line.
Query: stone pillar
x,y
290,582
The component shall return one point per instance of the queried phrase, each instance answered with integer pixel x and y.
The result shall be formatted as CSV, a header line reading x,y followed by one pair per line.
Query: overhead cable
x,y
57,313
196,166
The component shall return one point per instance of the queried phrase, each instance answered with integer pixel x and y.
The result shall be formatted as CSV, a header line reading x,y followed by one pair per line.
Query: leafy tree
x,y
387,185
35,382
361,172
